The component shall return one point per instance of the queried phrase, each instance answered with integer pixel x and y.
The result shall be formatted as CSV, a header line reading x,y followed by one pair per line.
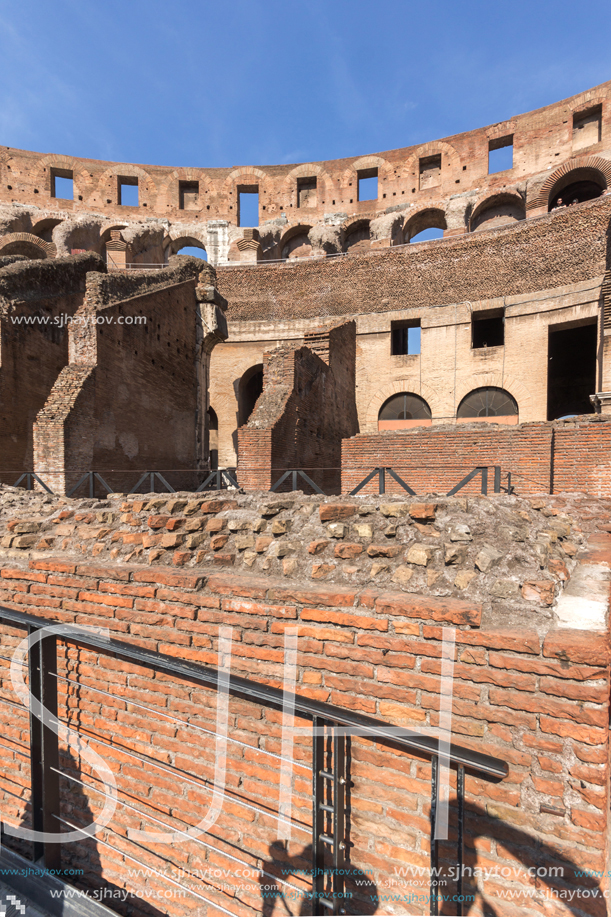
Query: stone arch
x,y
250,387
44,228
25,243
595,166
424,391
356,235
57,161
295,239
177,241
510,201
431,217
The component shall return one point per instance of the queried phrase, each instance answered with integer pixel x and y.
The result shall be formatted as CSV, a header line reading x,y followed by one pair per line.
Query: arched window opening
x,y
402,411
213,434
577,186
358,239
427,235
298,246
195,251
486,403
426,225
251,386
497,213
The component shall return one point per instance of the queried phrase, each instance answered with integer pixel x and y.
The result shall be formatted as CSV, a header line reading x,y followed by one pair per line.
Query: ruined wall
x,y
526,689
36,300
566,247
135,394
326,214
571,455
305,410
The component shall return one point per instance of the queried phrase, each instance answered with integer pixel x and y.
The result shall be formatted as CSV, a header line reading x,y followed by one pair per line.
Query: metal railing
x,y
330,776
222,478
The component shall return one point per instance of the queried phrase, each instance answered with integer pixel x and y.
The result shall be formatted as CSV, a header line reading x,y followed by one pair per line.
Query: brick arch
x,y
595,163
167,192
46,249
432,149
489,200
145,181
307,170
171,242
370,162
382,395
416,217
496,380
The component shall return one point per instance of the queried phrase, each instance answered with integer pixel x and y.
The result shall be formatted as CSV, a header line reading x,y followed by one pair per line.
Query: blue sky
x,y
202,83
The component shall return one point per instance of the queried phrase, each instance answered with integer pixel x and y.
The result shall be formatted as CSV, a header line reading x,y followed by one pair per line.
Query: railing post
x,y
318,814
382,480
44,750
434,881
497,479
460,795
484,471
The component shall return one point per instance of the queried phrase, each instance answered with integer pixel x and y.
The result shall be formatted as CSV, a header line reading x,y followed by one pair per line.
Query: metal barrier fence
x,y
329,768
228,478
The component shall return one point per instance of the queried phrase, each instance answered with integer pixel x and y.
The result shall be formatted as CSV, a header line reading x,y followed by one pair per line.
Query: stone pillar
x,y
116,252
250,247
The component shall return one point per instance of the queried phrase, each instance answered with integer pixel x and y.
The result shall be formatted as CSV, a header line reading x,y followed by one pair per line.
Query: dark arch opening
x,y
577,186
251,386
213,438
486,402
404,410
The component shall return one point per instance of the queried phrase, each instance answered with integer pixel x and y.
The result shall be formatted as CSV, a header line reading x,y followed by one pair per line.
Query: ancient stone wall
x,y
307,208
37,300
306,409
526,689
135,393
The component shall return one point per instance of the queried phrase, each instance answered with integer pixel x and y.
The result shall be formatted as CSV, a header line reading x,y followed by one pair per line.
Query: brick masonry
x,y
536,698
305,411
572,455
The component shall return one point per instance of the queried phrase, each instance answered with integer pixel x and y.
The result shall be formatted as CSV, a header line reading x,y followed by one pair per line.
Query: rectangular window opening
x,y
500,154
367,185
405,338
430,171
571,369
62,185
127,191
188,193
587,127
248,205
306,192
488,329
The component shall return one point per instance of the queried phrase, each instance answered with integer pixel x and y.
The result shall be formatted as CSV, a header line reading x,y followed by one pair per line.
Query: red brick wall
x,y
32,355
306,409
567,247
541,457
537,701
434,460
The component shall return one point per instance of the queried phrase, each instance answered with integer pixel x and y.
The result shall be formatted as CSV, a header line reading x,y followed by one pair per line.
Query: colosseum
x,y
251,420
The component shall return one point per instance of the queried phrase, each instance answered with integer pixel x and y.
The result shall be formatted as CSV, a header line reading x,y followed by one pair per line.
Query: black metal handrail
x,y
44,749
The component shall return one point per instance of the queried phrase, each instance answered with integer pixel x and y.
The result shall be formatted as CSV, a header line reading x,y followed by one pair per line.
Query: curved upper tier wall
x,y
450,175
